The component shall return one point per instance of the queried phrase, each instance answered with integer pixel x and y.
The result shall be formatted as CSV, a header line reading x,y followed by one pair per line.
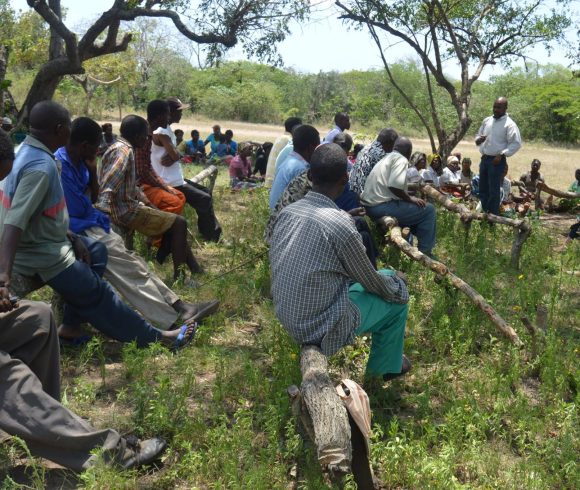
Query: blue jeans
x,y
89,298
490,180
422,221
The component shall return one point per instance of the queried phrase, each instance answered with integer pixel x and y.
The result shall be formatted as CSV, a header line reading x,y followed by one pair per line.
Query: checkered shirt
x,y
314,254
145,172
119,195
365,162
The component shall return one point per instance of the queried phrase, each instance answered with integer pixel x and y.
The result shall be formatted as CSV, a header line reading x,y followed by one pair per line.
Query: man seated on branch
x,y
385,194
35,241
129,208
315,255
126,271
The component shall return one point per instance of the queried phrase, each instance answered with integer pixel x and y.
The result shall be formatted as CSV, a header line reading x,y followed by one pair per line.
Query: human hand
x,y
81,251
167,161
418,202
402,276
5,303
360,211
480,139
497,160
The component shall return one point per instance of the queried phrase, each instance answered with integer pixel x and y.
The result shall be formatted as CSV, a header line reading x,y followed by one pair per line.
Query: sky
x,y
323,43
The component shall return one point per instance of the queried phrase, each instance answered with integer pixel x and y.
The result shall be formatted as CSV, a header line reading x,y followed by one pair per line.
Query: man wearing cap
x,y
165,161
498,138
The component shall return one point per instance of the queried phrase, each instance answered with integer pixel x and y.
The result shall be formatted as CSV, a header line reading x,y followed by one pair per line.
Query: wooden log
x,y
22,286
520,236
329,418
443,271
556,193
207,173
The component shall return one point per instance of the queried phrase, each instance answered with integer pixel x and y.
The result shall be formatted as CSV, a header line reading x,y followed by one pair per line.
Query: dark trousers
x,y
89,298
490,180
367,238
200,199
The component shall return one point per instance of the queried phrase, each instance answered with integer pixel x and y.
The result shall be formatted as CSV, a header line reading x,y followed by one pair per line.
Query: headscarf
x,y
416,158
432,157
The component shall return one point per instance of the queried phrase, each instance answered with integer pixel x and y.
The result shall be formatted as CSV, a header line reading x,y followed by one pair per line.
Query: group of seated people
x,y
57,212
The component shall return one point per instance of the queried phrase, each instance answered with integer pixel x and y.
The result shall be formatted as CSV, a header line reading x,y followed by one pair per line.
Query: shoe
x,y
139,453
79,341
184,337
405,368
204,309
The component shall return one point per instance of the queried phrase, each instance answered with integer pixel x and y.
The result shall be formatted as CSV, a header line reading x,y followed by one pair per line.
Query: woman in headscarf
x,y
433,171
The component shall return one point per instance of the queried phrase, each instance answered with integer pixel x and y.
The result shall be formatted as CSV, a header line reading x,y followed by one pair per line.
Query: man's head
x,y
179,135
50,123
387,138
342,120
195,135
403,146
216,129
500,107
536,164
291,123
176,108
328,169
305,139
158,114
85,137
107,128
577,174
229,134
135,130
6,154
344,140
6,124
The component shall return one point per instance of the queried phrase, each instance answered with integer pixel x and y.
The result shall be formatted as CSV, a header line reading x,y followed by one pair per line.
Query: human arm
x,y
93,179
480,137
514,140
352,255
171,154
8,244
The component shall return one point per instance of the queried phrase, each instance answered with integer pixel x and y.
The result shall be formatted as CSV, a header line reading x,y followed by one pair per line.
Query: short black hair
x,y
180,131
6,147
47,115
84,129
344,140
328,164
229,132
305,136
535,160
105,126
403,146
387,136
194,131
291,123
340,116
132,126
157,107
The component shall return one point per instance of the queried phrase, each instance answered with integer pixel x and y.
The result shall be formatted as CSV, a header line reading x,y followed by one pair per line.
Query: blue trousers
x,y
422,221
91,299
490,180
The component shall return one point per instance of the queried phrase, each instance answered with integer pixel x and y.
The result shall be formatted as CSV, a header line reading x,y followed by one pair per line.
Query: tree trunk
x,y
554,192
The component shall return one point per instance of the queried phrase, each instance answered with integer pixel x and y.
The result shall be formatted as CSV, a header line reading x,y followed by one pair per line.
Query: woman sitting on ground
x,y
241,169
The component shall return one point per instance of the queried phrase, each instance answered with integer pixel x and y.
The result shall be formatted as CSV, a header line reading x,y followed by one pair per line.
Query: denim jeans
x,y
490,180
89,298
421,221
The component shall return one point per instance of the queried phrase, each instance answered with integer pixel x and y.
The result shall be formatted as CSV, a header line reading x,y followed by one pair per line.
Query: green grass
x,y
474,412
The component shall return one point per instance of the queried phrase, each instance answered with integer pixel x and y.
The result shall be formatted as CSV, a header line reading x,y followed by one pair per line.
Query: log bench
x,y
323,418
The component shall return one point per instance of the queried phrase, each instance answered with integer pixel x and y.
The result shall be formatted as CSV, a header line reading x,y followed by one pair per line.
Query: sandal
x,y
184,338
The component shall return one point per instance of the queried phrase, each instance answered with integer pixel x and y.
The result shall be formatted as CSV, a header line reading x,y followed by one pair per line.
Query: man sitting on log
x,y
126,271
385,194
315,254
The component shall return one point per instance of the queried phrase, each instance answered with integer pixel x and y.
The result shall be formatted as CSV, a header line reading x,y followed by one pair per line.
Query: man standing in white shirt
x,y
497,138
385,194
341,123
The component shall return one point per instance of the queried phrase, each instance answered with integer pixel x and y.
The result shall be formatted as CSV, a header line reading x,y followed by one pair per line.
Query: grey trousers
x,y
30,392
130,276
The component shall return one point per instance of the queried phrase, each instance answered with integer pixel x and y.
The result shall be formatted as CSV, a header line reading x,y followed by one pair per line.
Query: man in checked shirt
x,y
315,253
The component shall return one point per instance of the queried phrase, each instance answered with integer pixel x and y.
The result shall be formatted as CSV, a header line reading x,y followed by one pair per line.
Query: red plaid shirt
x,y
145,172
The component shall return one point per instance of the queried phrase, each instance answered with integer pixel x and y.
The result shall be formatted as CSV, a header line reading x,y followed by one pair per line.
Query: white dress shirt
x,y
503,136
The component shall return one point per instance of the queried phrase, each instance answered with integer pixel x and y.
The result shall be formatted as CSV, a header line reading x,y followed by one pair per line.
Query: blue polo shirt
x,y
289,168
75,183
194,147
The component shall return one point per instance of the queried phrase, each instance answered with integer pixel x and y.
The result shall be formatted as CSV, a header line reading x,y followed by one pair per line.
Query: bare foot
x,y
69,332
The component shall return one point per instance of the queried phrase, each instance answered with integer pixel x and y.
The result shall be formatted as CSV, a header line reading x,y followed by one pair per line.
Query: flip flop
x,y
79,341
184,338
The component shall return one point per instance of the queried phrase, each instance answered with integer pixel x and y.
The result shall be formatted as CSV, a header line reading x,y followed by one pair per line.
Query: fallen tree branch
x,y
442,270
207,173
556,193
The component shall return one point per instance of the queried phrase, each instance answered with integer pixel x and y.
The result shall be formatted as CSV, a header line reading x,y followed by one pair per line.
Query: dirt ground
x,y
558,163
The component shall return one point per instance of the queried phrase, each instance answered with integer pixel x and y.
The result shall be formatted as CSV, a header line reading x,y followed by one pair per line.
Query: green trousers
x,y
385,321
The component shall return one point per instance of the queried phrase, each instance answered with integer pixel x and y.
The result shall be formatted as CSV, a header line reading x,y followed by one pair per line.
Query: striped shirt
x,y
119,195
314,254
